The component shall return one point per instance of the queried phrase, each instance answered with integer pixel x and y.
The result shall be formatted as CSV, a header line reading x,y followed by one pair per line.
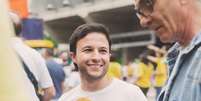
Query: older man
x,y
177,21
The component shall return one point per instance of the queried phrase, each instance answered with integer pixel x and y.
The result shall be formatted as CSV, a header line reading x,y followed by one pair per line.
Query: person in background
x,y
73,80
128,71
179,22
144,73
90,48
32,62
160,73
114,69
56,72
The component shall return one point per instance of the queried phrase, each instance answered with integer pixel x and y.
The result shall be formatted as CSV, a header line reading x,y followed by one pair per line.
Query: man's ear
x,y
73,57
110,56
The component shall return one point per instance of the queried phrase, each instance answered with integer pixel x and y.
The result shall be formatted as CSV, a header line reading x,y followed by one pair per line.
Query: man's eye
x,y
103,51
87,50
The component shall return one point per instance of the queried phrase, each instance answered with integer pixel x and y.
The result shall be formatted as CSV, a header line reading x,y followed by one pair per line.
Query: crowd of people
x,y
147,71
88,71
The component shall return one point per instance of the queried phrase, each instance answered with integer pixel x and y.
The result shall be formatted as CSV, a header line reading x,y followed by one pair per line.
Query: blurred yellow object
x,y
83,99
161,72
40,43
114,70
144,73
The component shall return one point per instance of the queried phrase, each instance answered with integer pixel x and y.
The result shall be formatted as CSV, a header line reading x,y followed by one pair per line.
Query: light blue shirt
x,y
184,83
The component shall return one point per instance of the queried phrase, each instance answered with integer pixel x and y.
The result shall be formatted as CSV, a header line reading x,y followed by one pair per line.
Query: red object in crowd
x,y
19,6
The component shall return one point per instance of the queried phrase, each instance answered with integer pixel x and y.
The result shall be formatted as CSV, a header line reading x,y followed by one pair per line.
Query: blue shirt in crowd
x,y
57,74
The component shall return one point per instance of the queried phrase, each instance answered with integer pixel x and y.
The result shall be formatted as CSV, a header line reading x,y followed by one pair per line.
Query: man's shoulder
x,y
129,91
126,86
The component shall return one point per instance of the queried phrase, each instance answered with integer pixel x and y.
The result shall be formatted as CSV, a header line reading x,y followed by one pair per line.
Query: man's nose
x,y
145,21
96,56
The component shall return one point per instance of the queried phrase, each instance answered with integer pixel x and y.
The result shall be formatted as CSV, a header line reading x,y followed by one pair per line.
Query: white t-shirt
x,y
116,91
34,62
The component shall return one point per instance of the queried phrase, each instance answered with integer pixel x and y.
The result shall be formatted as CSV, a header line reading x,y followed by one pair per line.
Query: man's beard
x,y
90,77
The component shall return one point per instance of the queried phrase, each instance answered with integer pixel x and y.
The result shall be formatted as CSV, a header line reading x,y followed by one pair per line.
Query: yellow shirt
x,y
114,70
144,73
160,73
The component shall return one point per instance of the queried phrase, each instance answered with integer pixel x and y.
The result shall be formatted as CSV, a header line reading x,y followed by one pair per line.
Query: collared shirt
x,y
184,82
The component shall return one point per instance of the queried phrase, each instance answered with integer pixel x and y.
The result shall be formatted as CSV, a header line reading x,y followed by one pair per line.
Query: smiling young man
x,y
177,21
90,48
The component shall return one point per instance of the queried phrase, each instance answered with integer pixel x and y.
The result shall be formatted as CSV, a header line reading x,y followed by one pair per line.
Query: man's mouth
x,y
95,66
158,28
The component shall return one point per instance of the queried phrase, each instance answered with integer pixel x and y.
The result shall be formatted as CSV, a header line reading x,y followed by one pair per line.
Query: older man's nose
x,y
145,21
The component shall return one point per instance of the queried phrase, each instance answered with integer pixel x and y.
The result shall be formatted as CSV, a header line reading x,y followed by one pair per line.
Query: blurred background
x,y
58,18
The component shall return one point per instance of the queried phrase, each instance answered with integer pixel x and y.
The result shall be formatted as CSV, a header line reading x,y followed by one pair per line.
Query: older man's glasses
x,y
144,8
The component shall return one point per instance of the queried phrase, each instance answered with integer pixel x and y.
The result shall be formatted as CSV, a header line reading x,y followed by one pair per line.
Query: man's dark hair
x,y
83,30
